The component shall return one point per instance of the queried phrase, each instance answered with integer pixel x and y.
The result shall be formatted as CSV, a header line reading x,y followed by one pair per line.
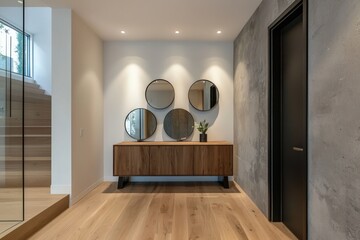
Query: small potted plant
x,y
202,128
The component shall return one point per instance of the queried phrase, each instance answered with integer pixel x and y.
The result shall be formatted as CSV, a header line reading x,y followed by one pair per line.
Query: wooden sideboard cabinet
x,y
173,159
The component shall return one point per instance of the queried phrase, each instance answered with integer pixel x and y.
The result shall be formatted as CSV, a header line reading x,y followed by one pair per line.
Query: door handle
x,y
297,149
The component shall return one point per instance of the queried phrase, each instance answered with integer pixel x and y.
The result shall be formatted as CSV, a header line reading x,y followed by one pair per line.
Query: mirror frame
x,y
217,91
193,120
146,90
142,139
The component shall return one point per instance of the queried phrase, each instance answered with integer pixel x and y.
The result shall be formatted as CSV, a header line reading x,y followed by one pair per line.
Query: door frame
x,y
275,181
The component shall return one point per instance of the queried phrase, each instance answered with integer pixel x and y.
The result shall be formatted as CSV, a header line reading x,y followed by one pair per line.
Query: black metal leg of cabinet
x,y
122,182
224,181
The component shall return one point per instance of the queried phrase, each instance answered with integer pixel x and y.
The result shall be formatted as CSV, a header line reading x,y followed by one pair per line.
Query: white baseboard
x,y
60,189
75,199
110,179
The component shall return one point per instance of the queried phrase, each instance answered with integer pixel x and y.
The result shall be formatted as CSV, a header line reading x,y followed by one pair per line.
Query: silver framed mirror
x,y
203,95
140,124
179,124
160,94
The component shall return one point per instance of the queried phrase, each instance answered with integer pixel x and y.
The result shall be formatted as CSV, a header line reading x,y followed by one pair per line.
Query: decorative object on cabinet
x,y
160,94
203,95
179,124
202,127
173,159
140,124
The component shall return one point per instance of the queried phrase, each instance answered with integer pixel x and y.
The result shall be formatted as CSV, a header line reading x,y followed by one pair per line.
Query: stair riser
x,y
16,122
28,130
36,151
29,141
36,173
37,121
15,89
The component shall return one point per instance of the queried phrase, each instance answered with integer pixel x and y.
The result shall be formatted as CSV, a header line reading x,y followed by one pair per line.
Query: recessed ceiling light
x,y
219,32
177,32
21,2
123,32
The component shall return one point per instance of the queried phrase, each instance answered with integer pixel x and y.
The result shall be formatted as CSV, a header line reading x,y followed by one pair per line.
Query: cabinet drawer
x,y
171,160
131,161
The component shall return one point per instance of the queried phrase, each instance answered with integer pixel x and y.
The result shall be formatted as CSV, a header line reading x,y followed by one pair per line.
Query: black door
x,y
293,128
289,122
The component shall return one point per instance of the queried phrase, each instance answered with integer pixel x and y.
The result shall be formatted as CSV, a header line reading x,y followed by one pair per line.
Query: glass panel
x,y
12,67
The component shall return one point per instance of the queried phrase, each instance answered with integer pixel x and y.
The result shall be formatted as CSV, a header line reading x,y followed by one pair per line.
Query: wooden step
x,y
37,173
18,89
31,114
30,151
17,121
41,208
15,82
30,140
27,158
37,121
28,130
35,106
29,98
18,84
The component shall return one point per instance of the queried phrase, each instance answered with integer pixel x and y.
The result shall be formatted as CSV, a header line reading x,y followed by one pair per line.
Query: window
x,y
11,49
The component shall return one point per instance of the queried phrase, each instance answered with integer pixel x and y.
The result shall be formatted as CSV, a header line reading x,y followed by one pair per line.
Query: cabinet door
x,y
131,160
213,160
171,160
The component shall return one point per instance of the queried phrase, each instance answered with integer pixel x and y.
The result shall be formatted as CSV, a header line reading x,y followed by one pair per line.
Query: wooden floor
x,y
37,202
163,211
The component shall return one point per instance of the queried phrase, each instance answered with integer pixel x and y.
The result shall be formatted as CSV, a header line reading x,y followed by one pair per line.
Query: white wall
x,y
38,24
87,109
130,66
61,102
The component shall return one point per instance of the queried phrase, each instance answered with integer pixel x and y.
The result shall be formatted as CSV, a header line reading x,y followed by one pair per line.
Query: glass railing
x,y
12,56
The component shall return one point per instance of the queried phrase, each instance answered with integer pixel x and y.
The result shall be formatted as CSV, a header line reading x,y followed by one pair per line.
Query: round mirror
x,y
203,95
160,94
140,124
179,124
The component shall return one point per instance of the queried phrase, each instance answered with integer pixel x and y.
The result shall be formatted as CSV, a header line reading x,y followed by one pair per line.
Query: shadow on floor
x,y
172,187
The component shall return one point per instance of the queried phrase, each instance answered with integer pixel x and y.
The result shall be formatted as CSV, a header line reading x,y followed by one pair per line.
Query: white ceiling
x,y
159,19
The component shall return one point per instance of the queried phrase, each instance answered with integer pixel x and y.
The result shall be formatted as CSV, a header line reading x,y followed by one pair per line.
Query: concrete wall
x,y
87,109
61,102
251,87
334,127
334,133
130,66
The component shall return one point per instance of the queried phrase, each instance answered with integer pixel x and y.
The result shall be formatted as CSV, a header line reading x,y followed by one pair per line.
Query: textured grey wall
x,y
334,107
251,102
334,113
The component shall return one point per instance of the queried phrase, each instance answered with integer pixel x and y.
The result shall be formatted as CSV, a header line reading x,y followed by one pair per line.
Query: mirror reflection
x,y
179,124
160,94
140,124
203,95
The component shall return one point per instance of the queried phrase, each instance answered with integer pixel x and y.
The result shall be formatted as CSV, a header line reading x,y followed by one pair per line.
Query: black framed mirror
x,y
203,95
140,124
179,124
160,94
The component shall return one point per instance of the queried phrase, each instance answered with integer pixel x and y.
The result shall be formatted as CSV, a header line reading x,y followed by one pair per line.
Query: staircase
x,y
37,150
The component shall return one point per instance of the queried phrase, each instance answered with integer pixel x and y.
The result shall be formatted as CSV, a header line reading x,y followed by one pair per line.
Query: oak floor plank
x,y
163,211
